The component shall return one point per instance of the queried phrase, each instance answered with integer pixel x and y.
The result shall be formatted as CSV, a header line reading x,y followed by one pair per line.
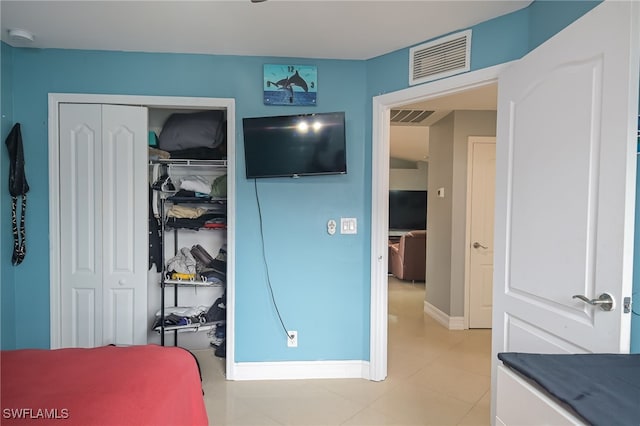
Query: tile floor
x,y
435,377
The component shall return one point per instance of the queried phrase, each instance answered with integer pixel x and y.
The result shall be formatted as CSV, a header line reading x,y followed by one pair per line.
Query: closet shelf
x,y
190,162
195,200
191,283
191,327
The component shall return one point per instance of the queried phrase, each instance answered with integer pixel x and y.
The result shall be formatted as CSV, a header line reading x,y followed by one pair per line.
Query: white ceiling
x,y
282,28
303,28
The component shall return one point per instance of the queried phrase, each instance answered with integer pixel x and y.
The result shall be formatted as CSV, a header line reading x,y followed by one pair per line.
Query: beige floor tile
x,y
435,376
371,417
249,419
464,385
474,362
412,405
359,390
480,414
323,408
222,410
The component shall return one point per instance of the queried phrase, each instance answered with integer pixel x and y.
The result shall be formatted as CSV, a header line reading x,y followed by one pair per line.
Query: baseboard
x,y
451,323
291,370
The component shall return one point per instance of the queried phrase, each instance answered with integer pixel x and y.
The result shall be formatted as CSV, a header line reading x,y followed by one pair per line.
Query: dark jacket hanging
x,y
18,187
155,240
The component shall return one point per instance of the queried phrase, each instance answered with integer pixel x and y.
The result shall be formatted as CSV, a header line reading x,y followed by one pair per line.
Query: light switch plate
x,y
348,225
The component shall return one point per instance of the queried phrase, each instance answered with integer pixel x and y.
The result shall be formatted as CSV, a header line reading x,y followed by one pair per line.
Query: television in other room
x,y
407,210
295,145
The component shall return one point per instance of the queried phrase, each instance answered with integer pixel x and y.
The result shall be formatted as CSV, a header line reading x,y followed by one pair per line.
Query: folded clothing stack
x,y
181,315
210,269
193,315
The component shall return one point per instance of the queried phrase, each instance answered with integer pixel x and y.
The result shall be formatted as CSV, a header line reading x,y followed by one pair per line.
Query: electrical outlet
x,y
292,341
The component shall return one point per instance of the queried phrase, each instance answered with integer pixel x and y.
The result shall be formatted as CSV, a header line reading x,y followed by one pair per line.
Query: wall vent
x,y
409,116
440,58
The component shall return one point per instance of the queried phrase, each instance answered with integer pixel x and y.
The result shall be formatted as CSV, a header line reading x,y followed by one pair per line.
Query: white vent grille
x,y
440,58
409,116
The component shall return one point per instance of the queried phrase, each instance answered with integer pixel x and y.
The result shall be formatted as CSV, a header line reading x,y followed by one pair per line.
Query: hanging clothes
x,y
155,240
18,187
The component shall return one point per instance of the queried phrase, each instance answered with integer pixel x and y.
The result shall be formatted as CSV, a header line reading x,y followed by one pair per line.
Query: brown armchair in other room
x,y
408,257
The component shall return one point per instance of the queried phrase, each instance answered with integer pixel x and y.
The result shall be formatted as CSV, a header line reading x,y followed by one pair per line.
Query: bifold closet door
x,y
103,224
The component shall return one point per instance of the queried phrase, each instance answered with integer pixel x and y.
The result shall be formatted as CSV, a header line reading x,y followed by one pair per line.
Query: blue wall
x,y
7,284
321,283
546,18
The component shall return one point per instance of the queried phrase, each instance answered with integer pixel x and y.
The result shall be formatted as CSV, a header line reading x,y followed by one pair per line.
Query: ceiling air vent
x,y
409,116
440,58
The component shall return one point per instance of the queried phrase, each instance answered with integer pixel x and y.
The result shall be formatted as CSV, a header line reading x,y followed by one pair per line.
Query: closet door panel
x,y
80,225
122,310
83,318
125,242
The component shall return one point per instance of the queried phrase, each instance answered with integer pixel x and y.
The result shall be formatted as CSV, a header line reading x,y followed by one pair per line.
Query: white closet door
x,y
125,236
103,203
80,225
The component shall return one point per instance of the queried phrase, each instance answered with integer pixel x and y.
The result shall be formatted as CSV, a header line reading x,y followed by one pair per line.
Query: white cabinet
x,y
103,238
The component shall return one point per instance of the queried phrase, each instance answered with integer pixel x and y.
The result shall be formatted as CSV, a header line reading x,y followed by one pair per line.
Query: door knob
x,y
604,301
478,245
122,282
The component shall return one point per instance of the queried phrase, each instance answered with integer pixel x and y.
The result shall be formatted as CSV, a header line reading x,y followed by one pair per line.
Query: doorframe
x,y
471,140
54,101
380,124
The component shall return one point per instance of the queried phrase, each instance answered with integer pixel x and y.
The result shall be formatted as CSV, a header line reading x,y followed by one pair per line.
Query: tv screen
x,y
407,210
295,145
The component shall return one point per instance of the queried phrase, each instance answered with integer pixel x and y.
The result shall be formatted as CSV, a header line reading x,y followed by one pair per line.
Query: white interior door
x,y
481,187
103,221
125,237
80,225
566,188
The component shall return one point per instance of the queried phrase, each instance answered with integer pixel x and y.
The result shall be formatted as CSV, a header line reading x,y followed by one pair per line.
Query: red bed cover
x,y
136,385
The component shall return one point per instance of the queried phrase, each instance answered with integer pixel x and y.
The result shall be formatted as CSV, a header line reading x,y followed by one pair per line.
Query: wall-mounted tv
x,y
407,210
295,145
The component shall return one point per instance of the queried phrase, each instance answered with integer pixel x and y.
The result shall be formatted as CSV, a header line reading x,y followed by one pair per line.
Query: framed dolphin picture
x,y
290,84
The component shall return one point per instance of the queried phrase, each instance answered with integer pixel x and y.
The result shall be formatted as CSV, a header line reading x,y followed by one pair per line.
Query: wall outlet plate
x,y
292,340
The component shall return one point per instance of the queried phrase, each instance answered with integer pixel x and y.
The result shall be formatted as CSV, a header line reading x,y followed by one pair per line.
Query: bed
x,y
108,385
577,389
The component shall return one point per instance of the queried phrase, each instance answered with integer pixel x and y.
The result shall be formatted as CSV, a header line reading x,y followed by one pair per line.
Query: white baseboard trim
x,y
291,370
451,323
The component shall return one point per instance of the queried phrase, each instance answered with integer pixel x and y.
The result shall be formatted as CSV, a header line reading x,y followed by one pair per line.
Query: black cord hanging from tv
x,y
264,259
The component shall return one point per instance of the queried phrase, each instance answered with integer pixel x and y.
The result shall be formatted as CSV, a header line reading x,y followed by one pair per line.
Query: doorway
x,y
382,106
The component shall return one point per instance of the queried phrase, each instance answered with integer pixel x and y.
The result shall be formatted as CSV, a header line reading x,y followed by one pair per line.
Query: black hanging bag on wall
x,y
18,187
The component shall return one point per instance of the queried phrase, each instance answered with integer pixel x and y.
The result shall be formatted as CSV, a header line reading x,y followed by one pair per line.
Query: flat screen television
x,y
407,210
295,145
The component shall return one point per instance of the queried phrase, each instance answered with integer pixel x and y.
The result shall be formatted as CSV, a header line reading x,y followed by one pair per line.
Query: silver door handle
x,y
604,301
478,245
